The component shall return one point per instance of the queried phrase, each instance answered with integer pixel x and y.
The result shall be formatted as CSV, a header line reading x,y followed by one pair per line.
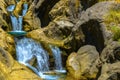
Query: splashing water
x,y
27,49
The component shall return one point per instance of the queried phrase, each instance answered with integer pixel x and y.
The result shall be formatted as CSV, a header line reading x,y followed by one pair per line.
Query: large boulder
x,y
82,65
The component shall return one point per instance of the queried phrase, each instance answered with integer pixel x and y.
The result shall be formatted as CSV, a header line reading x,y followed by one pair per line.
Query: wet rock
x,y
12,70
82,65
41,37
20,72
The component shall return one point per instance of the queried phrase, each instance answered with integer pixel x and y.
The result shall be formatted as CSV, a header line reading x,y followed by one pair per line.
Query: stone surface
x,y
110,54
82,65
7,42
110,62
93,25
110,71
63,20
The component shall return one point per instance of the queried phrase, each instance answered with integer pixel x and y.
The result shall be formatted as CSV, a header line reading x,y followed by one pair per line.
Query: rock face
x,y
82,65
7,42
110,58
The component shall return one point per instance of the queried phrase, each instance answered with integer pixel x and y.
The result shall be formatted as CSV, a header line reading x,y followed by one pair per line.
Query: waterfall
x,y
17,21
57,56
27,49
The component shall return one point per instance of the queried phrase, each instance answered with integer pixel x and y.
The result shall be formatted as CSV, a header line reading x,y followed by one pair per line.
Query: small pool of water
x,y
17,33
54,75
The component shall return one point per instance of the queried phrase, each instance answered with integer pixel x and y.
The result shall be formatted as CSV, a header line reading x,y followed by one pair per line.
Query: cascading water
x,y
27,49
57,56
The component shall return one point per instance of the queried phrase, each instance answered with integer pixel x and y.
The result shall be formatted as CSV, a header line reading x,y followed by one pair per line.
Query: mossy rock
x,y
112,21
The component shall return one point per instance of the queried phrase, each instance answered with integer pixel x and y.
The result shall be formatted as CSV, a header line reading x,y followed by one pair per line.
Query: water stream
x,y
57,56
28,50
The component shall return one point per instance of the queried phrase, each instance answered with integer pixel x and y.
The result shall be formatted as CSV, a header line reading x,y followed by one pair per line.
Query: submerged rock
x,y
82,65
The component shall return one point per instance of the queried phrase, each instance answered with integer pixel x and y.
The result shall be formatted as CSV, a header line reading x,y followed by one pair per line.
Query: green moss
x,y
113,17
116,33
112,21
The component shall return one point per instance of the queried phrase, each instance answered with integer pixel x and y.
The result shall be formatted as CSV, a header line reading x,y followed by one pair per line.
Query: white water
x,y
17,21
57,56
27,49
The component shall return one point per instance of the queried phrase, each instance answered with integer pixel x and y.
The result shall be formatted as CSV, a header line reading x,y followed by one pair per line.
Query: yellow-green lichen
x,y
116,33
113,17
112,21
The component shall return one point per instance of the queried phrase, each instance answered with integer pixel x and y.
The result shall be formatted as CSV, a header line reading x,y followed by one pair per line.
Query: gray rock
x,y
110,71
82,65
93,26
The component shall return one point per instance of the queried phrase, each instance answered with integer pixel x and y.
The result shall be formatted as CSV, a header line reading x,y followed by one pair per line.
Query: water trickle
x,y
16,23
25,8
57,56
